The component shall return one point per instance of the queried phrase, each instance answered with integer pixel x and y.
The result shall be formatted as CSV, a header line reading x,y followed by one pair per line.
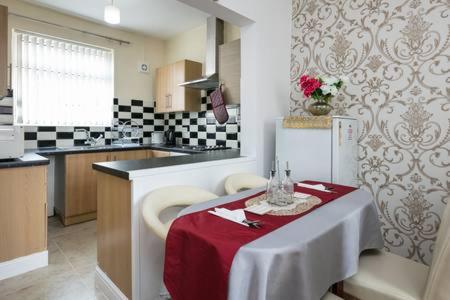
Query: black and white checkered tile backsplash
x,y
201,128
194,128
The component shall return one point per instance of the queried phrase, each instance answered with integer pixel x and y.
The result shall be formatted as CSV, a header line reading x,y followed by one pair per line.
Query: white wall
x,y
191,44
129,84
265,39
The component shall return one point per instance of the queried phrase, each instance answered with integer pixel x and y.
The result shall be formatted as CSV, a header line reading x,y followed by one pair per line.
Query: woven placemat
x,y
298,207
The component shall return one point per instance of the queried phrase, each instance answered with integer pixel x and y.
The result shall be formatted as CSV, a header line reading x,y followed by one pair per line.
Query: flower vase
x,y
320,108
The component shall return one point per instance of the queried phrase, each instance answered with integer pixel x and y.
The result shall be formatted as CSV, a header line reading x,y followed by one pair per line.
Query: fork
x,y
252,223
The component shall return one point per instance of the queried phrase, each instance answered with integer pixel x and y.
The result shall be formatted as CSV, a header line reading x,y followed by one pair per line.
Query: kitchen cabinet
x,y
23,211
75,183
129,155
3,51
169,96
80,189
230,71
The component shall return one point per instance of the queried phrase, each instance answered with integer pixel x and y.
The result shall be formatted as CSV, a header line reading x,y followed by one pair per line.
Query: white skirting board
x,y
23,264
111,291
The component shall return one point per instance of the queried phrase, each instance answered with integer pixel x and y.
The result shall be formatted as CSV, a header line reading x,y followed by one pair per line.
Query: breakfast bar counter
x,y
129,255
129,169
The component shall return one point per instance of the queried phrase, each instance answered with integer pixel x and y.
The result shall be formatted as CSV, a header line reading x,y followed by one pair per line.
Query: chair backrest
x,y
438,283
240,181
158,200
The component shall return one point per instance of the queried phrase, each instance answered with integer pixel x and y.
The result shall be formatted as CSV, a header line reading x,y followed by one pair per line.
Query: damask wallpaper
x,y
397,56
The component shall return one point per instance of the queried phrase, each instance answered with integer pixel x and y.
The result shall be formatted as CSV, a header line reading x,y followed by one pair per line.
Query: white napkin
x,y
237,215
260,209
319,187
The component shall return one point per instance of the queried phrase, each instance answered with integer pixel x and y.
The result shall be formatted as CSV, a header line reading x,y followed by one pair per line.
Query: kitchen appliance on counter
x,y
322,154
11,141
169,135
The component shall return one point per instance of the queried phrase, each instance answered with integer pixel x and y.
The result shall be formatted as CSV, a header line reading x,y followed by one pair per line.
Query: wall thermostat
x,y
144,68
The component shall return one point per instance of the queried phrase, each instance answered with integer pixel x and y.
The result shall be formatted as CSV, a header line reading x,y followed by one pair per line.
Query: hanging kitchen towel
x,y
218,106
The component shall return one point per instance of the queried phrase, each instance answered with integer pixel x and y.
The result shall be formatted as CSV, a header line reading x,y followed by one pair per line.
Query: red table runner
x,y
200,247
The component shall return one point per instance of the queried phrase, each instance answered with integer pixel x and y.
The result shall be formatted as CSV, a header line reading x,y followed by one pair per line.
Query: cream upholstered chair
x,y
241,181
160,199
385,276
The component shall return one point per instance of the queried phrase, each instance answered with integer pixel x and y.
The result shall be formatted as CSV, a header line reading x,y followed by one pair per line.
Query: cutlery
x,y
252,223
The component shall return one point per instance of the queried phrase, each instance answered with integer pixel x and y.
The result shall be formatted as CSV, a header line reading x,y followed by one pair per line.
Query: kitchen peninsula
x,y
130,257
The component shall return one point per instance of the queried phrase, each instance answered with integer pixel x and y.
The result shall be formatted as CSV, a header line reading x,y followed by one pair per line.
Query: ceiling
x,y
159,18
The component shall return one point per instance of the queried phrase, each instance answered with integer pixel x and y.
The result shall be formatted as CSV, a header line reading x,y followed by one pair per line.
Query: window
x,y
61,83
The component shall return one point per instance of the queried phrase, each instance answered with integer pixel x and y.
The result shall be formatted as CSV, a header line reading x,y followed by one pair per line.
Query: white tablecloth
x,y
302,259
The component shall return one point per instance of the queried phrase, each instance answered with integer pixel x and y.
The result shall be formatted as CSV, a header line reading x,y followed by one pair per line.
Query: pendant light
x,y
112,14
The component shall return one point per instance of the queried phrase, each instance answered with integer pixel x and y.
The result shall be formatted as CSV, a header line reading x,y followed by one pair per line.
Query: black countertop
x,y
28,160
107,148
123,168
35,157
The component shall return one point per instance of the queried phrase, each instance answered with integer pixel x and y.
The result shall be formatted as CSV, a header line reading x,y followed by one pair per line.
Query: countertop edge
x,y
130,169
27,160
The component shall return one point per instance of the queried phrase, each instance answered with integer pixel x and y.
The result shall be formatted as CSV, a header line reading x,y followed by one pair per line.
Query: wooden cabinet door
x,y
129,155
177,95
157,153
81,186
171,97
162,89
23,211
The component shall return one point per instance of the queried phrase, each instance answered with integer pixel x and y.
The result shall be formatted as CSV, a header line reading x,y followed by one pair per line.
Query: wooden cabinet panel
x,y
129,155
3,50
80,185
170,97
23,211
114,230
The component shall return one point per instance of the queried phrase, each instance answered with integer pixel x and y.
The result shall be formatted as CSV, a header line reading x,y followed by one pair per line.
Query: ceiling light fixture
x,y
112,14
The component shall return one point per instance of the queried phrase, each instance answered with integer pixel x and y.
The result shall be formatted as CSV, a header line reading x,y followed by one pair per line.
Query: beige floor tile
x,y
71,270
55,228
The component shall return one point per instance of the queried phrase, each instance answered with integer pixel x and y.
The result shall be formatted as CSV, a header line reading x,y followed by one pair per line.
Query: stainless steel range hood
x,y
214,38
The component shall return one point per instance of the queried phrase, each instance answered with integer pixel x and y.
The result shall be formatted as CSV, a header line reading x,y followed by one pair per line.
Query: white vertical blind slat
x,y
61,83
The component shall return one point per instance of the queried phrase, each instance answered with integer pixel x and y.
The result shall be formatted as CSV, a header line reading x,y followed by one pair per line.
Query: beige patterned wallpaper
x,y
397,56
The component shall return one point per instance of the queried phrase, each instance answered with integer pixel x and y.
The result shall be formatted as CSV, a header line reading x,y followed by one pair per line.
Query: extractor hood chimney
x,y
214,38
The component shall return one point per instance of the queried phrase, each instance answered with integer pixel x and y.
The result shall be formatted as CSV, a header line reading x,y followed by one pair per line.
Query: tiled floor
x,y
71,271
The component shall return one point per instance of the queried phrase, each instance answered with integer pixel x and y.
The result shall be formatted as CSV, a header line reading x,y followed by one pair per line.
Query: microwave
x,y
11,141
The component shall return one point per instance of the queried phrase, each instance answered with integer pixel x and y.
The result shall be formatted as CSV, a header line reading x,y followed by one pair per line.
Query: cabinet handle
x,y
170,100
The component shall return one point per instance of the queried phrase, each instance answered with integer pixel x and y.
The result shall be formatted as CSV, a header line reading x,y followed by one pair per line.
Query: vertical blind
x,y
61,83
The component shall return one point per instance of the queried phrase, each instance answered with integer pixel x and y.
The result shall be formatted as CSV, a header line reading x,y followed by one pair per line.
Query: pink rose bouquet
x,y
319,88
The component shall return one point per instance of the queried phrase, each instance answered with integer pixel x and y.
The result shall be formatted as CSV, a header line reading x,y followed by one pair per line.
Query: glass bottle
x,y
288,189
270,186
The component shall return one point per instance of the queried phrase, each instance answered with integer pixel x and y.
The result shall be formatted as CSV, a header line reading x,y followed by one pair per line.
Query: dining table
x,y
301,259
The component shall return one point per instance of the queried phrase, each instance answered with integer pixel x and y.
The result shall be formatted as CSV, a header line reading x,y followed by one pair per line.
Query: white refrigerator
x,y
329,155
